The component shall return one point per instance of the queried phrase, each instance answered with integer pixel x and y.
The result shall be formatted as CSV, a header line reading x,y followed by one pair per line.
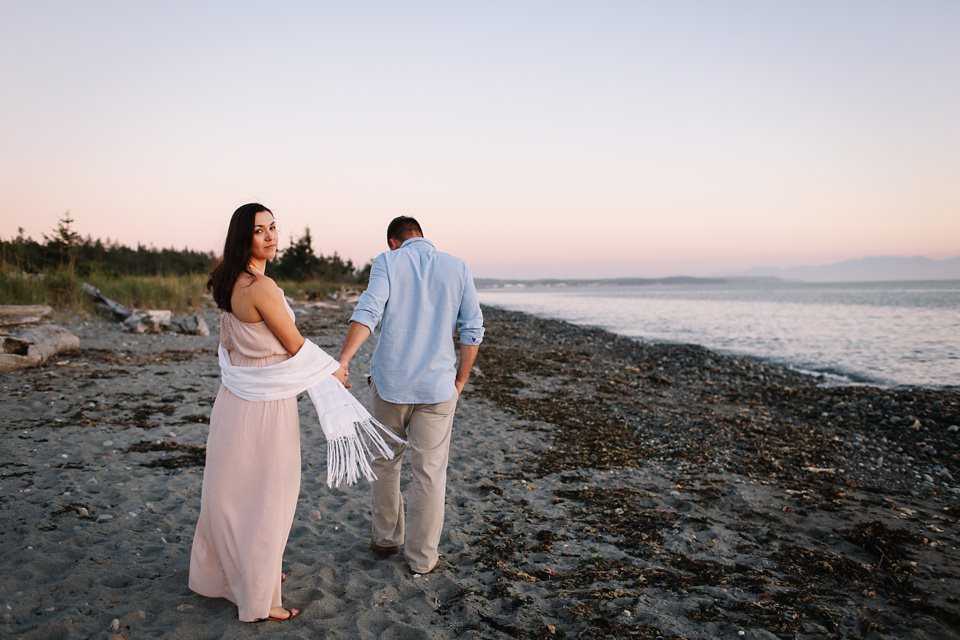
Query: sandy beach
x,y
599,488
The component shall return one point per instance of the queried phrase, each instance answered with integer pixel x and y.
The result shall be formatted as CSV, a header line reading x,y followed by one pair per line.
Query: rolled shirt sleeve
x,y
369,309
470,317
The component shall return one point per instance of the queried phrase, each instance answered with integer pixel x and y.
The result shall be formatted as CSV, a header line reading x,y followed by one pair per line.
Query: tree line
x,y
64,248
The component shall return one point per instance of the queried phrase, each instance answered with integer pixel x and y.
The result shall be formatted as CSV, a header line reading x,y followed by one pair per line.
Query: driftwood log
x,y
17,314
113,307
32,346
148,320
192,324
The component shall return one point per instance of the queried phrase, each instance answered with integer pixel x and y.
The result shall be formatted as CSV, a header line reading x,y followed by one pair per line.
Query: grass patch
x,y
60,288
177,293
22,288
57,288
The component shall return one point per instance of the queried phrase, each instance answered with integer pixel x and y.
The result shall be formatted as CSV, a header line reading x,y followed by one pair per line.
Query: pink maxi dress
x,y
251,482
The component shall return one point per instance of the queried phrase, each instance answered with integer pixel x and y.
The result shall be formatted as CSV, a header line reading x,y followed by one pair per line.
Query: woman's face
x,y
264,246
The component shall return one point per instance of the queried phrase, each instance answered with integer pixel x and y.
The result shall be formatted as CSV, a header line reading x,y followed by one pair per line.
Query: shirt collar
x,y
414,241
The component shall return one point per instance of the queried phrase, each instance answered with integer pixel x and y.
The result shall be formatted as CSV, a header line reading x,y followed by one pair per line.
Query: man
x,y
419,297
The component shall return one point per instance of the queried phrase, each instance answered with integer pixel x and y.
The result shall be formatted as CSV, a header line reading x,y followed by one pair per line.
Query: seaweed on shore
x,y
889,545
194,455
121,358
617,403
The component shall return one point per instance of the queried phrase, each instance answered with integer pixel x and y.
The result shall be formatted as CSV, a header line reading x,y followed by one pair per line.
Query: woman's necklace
x,y
255,270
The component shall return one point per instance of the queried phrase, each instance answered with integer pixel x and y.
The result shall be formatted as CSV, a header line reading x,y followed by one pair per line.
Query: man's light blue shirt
x,y
419,296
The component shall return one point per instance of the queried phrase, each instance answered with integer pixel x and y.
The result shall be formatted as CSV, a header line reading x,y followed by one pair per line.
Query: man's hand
x,y
356,334
468,354
341,374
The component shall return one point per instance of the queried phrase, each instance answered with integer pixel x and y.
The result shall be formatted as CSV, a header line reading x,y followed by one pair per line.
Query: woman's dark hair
x,y
236,254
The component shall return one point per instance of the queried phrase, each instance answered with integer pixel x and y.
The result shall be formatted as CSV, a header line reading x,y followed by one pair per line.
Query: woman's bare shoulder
x,y
265,284
251,293
264,291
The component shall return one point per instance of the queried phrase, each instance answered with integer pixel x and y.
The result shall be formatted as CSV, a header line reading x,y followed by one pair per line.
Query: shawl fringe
x,y
353,436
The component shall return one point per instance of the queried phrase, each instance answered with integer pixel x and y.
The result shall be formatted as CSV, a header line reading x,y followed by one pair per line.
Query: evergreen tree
x,y
298,261
64,242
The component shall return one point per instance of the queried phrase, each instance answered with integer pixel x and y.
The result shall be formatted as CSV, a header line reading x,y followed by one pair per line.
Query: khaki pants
x,y
426,428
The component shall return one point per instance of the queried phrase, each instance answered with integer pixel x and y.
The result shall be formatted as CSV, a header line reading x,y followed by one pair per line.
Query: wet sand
x,y
598,488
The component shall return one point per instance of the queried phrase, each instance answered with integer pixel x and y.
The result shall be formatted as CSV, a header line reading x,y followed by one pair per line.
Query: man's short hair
x,y
403,227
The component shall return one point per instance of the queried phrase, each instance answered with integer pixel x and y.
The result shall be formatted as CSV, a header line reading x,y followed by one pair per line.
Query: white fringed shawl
x,y
343,419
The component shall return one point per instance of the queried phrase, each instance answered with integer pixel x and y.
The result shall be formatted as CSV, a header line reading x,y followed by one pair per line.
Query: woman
x,y
251,480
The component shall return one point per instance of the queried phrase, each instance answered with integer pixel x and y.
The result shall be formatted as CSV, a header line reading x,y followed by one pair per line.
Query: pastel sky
x,y
532,138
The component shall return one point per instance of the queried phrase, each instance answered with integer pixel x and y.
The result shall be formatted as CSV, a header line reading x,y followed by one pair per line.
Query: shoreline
x,y
886,337
598,487
829,376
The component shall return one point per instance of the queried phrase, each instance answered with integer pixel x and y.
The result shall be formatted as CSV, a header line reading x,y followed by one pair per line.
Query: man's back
x,y
419,297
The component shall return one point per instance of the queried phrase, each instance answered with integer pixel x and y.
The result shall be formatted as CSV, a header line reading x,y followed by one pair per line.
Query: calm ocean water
x,y
891,333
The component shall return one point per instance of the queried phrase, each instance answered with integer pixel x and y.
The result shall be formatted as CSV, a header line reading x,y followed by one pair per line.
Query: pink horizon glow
x,y
617,140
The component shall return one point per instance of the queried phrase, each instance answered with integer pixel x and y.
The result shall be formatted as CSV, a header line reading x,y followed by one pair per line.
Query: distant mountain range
x,y
562,282
876,268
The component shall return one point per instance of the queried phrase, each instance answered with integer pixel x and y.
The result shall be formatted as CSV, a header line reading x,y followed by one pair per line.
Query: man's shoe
x,y
383,552
436,565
